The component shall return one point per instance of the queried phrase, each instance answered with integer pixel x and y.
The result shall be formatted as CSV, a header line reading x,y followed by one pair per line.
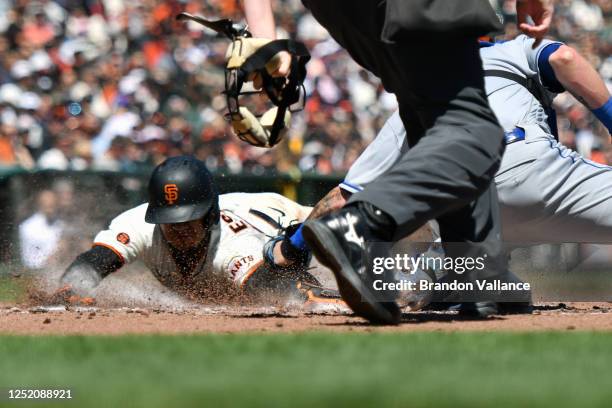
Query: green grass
x,y
12,289
317,369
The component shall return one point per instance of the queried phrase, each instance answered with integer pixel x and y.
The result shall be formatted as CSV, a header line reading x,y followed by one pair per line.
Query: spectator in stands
x,y
40,234
12,149
75,75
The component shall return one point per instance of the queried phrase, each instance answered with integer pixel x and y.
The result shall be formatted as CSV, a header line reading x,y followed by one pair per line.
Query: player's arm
x,y
579,78
250,270
290,248
334,200
259,17
121,243
89,268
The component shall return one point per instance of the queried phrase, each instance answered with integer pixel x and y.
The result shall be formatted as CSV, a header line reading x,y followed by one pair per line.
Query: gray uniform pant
x,y
551,194
547,192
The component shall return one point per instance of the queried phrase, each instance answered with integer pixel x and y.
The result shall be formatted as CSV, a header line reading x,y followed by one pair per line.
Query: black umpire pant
x,y
455,139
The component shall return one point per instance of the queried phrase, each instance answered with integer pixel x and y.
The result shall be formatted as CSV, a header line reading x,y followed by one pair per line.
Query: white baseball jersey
x,y
513,103
246,223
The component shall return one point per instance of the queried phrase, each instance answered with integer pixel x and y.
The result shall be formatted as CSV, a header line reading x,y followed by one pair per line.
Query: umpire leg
x,y
448,176
444,173
456,148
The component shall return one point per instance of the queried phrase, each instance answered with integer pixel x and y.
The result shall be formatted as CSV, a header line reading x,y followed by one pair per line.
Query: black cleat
x,y
478,309
512,308
339,242
508,304
486,309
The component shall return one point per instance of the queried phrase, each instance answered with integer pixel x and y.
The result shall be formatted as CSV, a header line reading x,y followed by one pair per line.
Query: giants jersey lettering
x,y
236,249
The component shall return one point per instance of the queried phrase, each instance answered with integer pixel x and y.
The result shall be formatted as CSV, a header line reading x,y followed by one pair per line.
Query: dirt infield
x,y
133,302
98,321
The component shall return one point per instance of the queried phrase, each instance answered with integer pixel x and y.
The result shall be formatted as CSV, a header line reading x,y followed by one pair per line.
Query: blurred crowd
x,y
120,85
586,26
52,225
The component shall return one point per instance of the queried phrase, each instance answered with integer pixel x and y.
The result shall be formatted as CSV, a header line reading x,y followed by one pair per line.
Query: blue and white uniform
x,y
547,192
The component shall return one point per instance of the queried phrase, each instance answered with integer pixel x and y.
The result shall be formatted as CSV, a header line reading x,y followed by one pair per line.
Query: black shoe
x,y
486,309
339,242
520,302
478,309
512,308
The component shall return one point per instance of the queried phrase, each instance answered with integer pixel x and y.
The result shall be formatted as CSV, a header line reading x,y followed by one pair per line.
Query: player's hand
x,y
279,259
541,12
66,296
280,66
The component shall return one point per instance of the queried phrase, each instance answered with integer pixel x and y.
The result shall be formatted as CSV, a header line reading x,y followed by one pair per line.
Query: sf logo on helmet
x,y
171,192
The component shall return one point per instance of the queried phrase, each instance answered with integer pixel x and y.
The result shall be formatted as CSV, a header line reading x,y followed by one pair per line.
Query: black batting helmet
x,y
181,189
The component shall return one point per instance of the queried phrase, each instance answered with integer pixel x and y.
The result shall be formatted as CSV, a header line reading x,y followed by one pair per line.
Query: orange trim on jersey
x,y
250,272
121,258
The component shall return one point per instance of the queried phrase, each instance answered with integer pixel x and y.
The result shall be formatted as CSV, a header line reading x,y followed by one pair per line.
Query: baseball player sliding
x,y
194,241
547,192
